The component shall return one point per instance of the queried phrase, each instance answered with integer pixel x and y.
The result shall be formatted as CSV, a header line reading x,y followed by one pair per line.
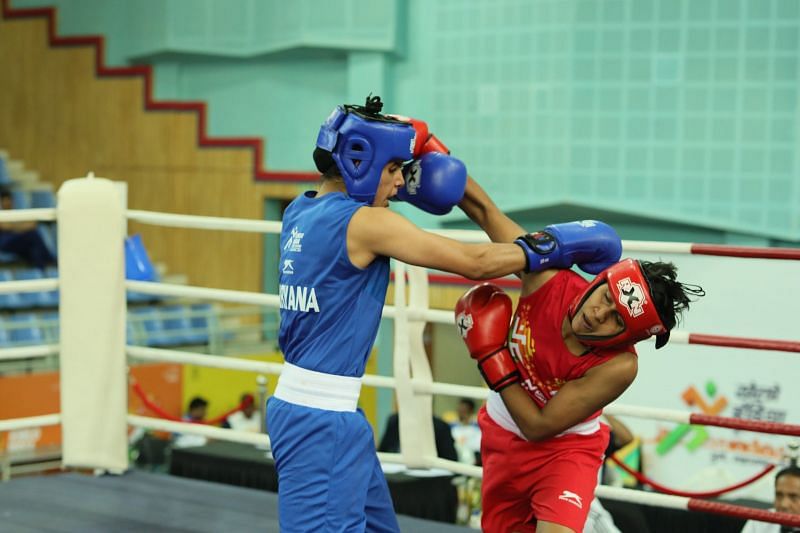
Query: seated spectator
x,y
196,413
445,448
620,438
248,419
787,500
23,238
197,410
466,433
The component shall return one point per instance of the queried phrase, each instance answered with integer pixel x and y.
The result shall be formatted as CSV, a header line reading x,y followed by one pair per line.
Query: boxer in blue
x,y
334,271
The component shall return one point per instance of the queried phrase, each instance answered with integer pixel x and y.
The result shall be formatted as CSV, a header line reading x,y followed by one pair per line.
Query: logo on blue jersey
x,y
293,243
297,298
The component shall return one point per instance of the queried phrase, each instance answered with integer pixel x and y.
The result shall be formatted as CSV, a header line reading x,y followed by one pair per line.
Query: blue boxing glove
x,y
435,183
590,244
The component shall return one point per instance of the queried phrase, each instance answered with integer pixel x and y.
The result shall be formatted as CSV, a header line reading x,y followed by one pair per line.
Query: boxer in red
x,y
567,353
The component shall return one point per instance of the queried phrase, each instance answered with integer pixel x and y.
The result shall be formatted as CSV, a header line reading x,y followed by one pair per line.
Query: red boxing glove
x,y
425,142
483,315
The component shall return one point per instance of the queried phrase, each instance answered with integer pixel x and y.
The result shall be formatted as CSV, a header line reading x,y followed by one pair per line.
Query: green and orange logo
x,y
711,404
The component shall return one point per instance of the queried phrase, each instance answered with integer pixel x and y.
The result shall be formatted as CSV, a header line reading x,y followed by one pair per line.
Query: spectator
x,y
248,419
445,448
23,238
620,436
196,413
466,433
197,410
787,500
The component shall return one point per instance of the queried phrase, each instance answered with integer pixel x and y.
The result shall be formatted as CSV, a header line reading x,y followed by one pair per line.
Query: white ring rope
x,y
263,226
12,424
641,497
24,215
213,432
188,291
203,222
29,285
24,352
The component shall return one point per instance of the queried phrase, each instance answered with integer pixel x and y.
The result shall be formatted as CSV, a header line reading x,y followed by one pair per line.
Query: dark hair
x,y
671,297
371,109
792,470
196,402
468,401
325,164
5,193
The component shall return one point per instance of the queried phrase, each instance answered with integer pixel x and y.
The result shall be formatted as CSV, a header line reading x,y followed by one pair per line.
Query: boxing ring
x,y
92,220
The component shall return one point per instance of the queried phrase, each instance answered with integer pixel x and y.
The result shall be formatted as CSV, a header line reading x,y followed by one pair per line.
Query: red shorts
x,y
523,481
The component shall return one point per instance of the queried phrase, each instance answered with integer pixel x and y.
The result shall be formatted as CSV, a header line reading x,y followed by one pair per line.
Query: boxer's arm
x,y
374,232
574,402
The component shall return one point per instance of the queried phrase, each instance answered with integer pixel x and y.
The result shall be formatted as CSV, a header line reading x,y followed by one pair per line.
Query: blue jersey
x,y
330,309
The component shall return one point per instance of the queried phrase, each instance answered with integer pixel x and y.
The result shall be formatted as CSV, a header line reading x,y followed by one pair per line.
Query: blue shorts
x,y
329,477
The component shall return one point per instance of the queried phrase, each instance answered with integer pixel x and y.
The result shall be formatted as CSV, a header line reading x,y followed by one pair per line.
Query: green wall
x,y
684,111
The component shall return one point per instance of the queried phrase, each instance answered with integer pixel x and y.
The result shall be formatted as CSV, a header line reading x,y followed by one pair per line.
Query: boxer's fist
x,y
483,314
426,142
434,183
590,244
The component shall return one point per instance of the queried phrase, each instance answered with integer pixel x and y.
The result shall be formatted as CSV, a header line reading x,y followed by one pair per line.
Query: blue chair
x,y
42,198
202,320
30,299
195,324
5,178
155,334
25,329
21,199
49,298
177,326
12,300
5,333
51,327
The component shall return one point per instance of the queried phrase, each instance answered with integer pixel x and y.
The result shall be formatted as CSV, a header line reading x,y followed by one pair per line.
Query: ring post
x,y
415,423
91,230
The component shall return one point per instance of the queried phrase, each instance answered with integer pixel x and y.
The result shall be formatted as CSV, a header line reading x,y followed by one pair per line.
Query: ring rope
x,y
157,409
12,424
696,505
759,426
29,352
262,226
744,342
747,513
158,424
668,415
29,285
204,222
641,478
430,315
47,214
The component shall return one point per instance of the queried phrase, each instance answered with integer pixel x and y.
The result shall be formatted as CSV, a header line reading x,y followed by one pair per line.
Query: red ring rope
x,y
744,342
760,426
738,511
641,478
746,251
167,416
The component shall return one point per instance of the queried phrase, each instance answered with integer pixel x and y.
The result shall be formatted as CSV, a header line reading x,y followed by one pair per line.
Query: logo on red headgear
x,y
631,295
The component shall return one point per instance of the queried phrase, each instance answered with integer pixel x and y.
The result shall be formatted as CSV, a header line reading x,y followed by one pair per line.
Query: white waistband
x,y
317,389
497,410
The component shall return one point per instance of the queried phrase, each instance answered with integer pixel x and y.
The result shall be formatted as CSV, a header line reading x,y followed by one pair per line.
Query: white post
x,y
415,423
91,230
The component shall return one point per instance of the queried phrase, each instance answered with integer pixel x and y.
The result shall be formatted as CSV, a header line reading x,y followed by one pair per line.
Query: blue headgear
x,y
362,143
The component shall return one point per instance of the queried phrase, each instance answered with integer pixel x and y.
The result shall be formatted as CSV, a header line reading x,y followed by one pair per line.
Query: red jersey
x,y
544,361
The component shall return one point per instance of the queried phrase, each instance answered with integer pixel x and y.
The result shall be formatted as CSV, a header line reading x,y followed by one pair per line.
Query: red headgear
x,y
631,293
